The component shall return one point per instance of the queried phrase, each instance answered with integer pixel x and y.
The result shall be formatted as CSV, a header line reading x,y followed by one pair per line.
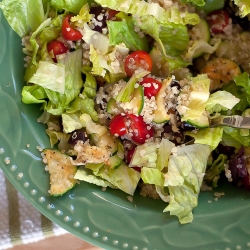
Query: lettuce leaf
x,y
208,136
50,76
221,101
163,153
200,46
124,32
244,6
152,176
213,172
235,133
84,174
142,8
244,81
23,16
73,6
238,93
172,39
185,174
33,94
124,178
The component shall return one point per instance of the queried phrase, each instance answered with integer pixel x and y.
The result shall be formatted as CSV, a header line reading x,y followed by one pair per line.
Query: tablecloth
x,y
20,222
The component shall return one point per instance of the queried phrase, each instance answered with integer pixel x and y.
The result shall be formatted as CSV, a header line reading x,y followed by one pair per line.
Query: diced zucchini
x,y
137,101
108,141
113,108
160,66
202,30
220,71
61,171
160,114
115,161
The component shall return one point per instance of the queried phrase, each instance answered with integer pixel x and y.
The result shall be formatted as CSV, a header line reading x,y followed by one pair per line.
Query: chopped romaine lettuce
x,y
185,174
221,101
50,76
124,178
152,176
23,16
73,6
142,8
145,155
124,32
213,172
244,6
85,174
208,136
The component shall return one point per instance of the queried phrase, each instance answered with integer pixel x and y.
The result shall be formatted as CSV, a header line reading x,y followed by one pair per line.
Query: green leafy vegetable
x,y
208,136
221,101
124,32
184,178
23,16
213,172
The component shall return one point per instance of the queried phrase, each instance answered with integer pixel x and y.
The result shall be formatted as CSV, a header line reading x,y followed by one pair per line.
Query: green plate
x,y
104,218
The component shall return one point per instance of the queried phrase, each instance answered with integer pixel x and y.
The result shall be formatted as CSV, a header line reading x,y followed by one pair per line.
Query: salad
x,y
129,90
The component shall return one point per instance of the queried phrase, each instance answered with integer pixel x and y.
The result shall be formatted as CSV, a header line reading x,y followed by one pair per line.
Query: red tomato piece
x,y
151,86
136,60
132,126
111,14
129,154
117,125
57,48
128,157
68,32
138,130
218,20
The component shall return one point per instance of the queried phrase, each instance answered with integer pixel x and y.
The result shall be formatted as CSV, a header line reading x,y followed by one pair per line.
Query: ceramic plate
x,y
104,218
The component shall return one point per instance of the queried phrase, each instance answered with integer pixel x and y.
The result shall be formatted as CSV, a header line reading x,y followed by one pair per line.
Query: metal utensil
x,y
235,121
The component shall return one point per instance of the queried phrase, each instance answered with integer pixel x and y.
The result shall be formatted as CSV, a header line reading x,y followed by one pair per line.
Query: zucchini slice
x,y
161,114
61,171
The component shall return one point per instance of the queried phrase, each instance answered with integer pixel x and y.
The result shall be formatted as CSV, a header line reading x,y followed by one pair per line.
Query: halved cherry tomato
x,y
129,154
128,157
111,14
139,129
117,125
132,126
218,20
136,60
57,48
151,86
68,32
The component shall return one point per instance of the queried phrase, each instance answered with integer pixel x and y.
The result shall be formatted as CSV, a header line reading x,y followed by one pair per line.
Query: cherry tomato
x,y
132,126
111,14
117,125
151,86
57,48
129,154
139,129
136,60
128,157
68,32
218,20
